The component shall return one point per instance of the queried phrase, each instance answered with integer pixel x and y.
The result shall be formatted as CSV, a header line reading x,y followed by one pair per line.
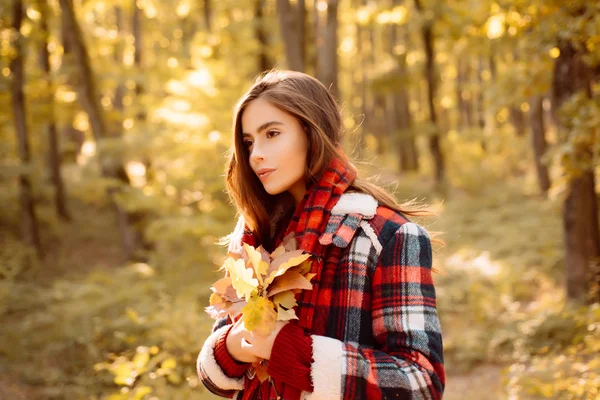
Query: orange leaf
x,y
215,298
261,371
289,281
280,265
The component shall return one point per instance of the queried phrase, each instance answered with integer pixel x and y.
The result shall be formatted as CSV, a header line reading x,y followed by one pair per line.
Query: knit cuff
x,y
228,364
291,358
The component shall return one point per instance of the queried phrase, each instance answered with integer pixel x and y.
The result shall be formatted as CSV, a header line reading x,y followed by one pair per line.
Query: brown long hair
x,y
308,100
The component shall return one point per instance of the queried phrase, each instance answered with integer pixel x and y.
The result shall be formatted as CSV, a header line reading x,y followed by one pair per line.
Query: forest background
x,y
115,118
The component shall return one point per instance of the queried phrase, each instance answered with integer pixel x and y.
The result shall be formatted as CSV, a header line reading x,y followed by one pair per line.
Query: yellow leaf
x,y
241,278
215,299
285,299
174,378
286,315
142,391
140,360
278,252
310,276
259,316
169,363
260,267
280,265
304,268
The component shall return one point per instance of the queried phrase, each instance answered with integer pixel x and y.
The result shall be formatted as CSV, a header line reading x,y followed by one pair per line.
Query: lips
x,y
264,173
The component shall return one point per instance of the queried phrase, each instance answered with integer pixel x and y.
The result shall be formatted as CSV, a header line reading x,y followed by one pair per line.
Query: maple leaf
x,y
290,281
241,278
259,316
260,267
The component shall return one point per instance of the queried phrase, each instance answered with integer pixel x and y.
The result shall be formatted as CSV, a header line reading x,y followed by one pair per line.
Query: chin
x,y
273,190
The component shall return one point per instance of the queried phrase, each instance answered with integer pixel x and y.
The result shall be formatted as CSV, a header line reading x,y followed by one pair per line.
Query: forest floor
x,y
93,244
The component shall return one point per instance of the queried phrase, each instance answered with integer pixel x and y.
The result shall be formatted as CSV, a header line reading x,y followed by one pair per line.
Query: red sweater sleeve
x,y
291,358
228,364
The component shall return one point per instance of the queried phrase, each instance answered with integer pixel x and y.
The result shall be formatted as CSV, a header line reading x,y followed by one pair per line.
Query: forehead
x,y
259,111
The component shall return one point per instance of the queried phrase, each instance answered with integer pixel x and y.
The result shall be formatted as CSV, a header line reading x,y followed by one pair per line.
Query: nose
x,y
257,153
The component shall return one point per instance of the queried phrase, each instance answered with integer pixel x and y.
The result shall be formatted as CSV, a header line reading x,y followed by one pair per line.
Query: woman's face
x,y
277,147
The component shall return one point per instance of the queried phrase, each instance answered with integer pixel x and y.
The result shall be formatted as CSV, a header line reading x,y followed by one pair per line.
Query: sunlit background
x,y
115,118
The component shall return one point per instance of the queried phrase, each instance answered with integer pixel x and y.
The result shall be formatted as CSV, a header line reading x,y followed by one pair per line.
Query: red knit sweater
x,y
289,365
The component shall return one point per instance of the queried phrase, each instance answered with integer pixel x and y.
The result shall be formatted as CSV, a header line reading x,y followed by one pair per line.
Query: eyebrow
x,y
264,126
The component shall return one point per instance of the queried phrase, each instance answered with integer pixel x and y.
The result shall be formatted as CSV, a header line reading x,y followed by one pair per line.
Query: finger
x,y
247,346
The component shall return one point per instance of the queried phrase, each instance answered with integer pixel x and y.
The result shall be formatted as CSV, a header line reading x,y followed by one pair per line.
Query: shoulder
x,y
359,214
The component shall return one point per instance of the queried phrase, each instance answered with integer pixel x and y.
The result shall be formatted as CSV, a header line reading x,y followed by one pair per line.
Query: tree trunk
x,y
207,15
518,121
434,140
409,158
481,100
54,159
302,19
28,218
361,83
327,65
110,168
580,210
118,57
136,27
264,62
538,138
289,23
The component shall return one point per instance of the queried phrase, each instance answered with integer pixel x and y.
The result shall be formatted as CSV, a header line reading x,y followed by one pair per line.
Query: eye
x,y
247,143
271,134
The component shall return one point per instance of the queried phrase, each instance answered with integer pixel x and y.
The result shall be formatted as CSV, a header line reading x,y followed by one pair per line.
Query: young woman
x,y
369,328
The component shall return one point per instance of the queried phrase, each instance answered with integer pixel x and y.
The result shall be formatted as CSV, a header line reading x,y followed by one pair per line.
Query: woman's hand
x,y
236,337
261,346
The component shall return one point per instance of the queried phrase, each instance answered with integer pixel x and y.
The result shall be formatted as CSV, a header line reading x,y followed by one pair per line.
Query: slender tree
x,y
110,167
291,23
538,139
136,27
264,61
28,218
54,159
580,210
327,64
434,140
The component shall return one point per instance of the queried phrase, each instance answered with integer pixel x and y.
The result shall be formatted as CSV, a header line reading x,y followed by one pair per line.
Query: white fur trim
x,y
235,239
326,370
211,368
356,203
368,229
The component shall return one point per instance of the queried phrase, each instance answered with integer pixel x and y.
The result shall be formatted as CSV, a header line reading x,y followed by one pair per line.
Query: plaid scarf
x,y
309,222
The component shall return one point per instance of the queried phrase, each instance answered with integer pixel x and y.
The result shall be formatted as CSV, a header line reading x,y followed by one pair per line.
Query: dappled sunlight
x,y
185,119
467,260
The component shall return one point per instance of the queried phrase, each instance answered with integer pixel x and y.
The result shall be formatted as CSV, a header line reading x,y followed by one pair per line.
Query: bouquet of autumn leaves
x,y
261,286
